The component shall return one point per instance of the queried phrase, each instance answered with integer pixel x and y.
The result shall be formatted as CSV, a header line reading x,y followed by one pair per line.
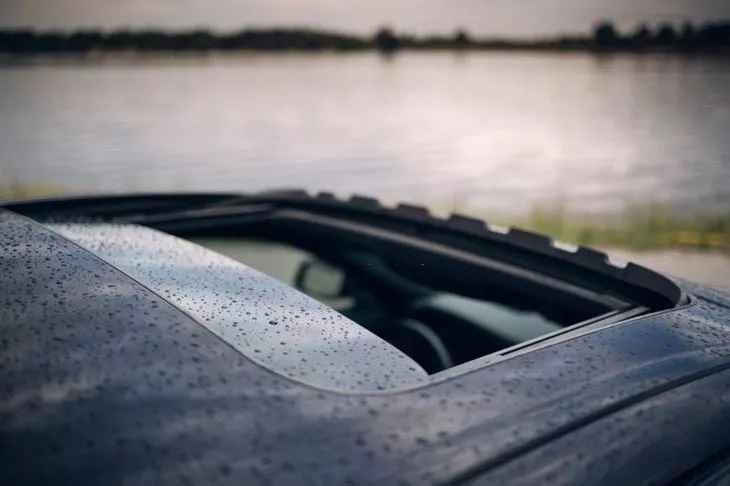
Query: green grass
x,y
639,228
9,192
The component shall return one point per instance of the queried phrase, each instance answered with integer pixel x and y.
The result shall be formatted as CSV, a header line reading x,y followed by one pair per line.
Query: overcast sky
x,y
485,17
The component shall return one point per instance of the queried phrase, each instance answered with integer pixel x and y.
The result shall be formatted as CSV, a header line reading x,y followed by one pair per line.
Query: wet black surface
x,y
267,321
104,382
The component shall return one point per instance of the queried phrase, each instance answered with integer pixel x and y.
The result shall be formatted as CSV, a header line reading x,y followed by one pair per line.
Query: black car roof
x,y
267,321
104,381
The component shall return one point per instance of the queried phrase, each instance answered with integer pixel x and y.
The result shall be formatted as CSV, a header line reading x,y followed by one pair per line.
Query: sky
x,y
521,18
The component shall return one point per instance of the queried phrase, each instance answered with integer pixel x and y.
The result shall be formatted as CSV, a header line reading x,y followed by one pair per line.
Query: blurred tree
x,y
461,38
687,36
386,41
604,35
641,36
688,31
666,35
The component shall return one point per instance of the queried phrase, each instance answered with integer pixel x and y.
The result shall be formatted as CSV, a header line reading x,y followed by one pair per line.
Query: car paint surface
x,y
270,323
106,382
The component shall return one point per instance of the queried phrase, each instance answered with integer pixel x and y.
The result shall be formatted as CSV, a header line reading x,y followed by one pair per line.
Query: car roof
x,y
267,321
106,381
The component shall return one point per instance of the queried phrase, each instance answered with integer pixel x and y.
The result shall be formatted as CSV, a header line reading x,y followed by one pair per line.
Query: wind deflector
x,y
267,321
189,215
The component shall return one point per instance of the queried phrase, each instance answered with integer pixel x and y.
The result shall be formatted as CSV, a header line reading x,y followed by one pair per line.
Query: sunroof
x,y
361,305
437,328
269,322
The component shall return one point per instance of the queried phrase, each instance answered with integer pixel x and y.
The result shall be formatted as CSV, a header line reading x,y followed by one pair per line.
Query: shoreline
x,y
711,38
91,54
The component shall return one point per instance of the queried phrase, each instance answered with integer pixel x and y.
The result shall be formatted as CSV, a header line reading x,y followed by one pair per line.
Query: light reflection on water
x,y
501,131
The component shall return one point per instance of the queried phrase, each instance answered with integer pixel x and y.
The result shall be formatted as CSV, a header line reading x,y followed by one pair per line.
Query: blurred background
x,y
602,123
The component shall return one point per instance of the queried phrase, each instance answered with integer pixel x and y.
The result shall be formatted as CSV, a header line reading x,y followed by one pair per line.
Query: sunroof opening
x,y
396,295
433,324
441,305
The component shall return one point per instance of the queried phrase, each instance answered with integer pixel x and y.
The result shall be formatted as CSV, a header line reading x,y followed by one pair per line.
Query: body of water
x,y
501,132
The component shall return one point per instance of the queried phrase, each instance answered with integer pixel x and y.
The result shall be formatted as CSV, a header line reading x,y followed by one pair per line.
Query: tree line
x,y
605,37
687,37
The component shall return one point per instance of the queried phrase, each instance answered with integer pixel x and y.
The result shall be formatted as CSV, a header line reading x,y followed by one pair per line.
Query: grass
x,y
9,192
638,228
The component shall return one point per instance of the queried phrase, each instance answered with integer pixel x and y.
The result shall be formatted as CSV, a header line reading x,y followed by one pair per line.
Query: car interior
x,y
436,327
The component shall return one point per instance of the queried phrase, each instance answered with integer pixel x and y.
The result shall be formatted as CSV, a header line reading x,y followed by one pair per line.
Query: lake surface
x,y
501,132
